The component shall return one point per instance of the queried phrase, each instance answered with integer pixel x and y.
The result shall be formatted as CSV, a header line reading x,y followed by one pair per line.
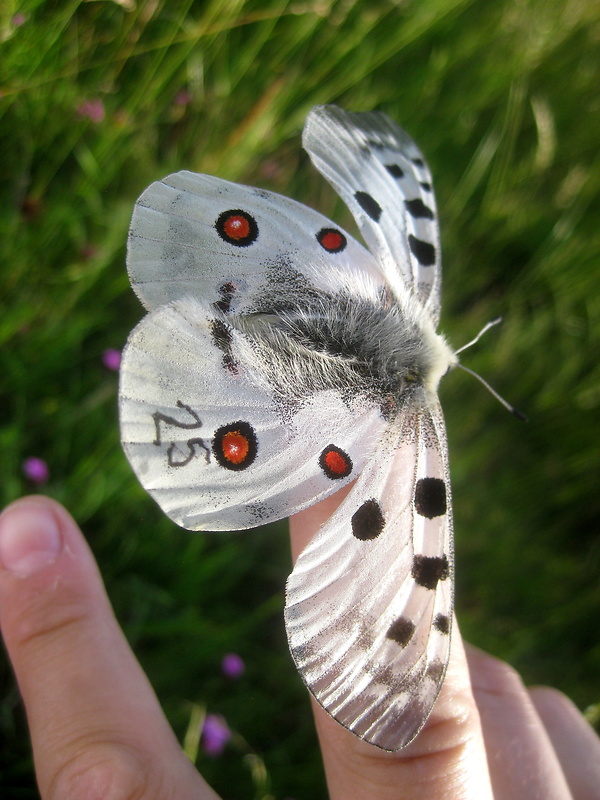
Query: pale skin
x,y
98,731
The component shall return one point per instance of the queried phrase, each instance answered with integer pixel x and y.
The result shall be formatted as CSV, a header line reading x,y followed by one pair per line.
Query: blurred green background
x,y
98,99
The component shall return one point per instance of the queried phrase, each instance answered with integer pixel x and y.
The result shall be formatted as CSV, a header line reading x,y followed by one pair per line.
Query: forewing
x,y
382,177
200,236
369,602
208,440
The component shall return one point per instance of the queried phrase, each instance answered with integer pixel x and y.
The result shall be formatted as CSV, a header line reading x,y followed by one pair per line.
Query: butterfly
x,y
282,360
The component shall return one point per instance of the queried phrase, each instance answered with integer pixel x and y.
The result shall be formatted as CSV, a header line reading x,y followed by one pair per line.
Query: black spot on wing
x,y
424,252
401,631
368,521
418,162
369,205
427,571
436,670
226,293
221,335
417,208
441,623
395,171
430,497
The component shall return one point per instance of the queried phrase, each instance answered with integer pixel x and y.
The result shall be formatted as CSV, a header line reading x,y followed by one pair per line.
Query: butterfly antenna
x,y
485,329
518,414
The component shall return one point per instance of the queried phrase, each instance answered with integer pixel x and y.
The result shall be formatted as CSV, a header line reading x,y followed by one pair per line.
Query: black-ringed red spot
x,y
335,463
235,445
237,227
332,240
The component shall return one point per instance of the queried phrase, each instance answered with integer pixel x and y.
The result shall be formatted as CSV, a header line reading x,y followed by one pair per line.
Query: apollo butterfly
x,y
281,360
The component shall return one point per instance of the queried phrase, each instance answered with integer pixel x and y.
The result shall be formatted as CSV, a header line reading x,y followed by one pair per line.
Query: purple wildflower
x,y
233,666
215,734
182,98
18,19
36,470
111,359
92,109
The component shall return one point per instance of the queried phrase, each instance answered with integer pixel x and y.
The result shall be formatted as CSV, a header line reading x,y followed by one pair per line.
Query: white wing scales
x,y
175,249
177,393
369,602
381,175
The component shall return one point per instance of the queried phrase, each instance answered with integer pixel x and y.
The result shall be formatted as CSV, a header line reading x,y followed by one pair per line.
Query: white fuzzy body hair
x,y
357,340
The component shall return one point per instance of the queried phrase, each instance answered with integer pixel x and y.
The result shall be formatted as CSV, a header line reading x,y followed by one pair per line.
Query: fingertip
x,y
47,572
30,536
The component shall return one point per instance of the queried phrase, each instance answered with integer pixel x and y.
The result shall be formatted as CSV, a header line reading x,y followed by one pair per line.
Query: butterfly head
x,y
439,357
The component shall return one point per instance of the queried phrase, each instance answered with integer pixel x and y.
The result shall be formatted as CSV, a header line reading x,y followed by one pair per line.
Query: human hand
x,y
98,730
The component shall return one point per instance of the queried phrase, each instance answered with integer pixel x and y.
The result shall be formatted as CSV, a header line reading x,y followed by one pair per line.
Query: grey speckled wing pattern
x,y
382,176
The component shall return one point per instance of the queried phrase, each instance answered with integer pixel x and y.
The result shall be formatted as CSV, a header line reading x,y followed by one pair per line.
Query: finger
x,y
96,726
575,742
521,758
446,760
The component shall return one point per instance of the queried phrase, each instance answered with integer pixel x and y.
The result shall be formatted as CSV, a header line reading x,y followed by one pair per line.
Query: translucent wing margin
x,y
383,178
369,602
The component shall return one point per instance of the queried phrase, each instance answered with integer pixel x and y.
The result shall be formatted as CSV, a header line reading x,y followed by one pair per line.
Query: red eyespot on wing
x,y
237,227
331,240
235,445
335,463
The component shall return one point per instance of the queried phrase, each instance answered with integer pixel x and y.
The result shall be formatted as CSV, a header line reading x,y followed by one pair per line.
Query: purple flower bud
x,y
92,109
233,666
36,470
111,359
182,98
215,734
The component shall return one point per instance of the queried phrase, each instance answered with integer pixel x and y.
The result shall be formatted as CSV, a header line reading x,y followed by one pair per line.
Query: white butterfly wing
x,y
384,180
369,602
223,441
196,235
203,434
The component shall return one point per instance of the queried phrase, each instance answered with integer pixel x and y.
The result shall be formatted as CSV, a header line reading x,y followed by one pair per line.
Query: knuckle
x,y
498,678
42,617
104,771
504,679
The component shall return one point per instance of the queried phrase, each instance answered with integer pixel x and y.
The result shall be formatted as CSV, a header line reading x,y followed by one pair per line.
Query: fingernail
x,y
29,539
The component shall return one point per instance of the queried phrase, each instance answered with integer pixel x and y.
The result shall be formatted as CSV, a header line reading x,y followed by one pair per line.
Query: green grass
x,y
503,99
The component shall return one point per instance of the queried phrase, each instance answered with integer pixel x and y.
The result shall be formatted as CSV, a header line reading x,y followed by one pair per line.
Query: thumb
x,y
96,726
